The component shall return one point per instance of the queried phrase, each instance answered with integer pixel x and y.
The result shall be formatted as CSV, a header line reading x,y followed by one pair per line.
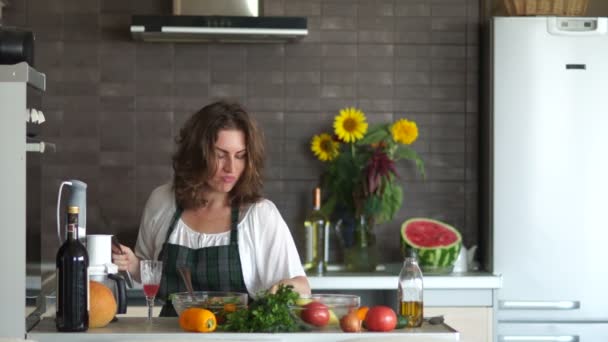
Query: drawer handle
x,y
545,338
539,305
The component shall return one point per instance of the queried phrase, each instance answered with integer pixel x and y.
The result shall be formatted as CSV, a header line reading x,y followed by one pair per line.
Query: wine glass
x,y
151,271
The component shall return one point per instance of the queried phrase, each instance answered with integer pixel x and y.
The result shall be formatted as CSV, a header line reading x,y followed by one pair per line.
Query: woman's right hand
x,y
126,260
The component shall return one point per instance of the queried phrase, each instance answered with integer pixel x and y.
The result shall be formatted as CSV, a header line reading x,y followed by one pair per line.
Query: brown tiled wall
x,y
113,105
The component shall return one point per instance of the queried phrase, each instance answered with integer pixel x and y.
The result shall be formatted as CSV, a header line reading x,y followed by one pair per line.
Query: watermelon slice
x,y
436,244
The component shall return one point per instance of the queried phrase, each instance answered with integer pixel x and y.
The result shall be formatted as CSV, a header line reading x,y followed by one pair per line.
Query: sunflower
x,y
350,125
324,147
404,131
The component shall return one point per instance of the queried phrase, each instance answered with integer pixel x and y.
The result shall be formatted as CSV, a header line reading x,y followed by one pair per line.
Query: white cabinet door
x,y
473,323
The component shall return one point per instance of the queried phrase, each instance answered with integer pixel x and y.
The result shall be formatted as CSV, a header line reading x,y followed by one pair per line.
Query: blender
x,y
102,270
99,247
78,198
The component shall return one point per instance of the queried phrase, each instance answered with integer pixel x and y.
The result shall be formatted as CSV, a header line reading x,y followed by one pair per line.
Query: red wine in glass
x,y
151,290
150,271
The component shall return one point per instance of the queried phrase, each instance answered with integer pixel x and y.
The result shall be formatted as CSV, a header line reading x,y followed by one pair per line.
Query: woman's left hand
x,y
300,284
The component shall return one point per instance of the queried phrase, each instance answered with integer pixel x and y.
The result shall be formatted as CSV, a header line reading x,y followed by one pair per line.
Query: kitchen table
x,y
167,329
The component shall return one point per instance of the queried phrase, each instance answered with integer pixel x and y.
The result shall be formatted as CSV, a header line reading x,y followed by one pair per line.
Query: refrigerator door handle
x,y
539,305
544,338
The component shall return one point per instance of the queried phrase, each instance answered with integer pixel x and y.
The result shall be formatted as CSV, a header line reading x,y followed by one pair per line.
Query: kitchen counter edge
x,y
166,329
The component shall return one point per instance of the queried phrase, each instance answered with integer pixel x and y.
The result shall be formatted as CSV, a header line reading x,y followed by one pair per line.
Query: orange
x,y
197,320
229,307
362,312
102,305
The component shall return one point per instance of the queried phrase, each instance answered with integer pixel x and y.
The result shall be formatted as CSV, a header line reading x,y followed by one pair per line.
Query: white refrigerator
x,y
545,183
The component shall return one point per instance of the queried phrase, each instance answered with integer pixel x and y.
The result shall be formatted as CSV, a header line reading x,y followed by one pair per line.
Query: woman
x,y
212,217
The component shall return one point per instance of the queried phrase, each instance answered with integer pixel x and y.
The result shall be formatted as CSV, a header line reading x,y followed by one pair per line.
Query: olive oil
x,y
413,312
410,290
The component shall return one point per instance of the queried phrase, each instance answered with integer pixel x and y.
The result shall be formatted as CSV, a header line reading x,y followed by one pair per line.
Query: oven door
x,y
36,292
20,240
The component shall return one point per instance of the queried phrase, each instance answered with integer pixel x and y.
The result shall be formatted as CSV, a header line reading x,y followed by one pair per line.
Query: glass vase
x,y
362,254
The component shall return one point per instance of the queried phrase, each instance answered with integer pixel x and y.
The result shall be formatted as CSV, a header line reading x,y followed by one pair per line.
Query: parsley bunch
x,y
268,313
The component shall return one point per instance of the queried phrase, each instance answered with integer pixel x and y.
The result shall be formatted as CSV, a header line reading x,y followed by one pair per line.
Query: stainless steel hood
x,y
231,29
233,21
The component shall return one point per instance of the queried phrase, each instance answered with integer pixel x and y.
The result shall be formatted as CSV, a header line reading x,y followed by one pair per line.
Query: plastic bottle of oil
x,y
410,292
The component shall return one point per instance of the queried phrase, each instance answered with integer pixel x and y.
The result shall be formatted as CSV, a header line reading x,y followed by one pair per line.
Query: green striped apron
x,y
216,268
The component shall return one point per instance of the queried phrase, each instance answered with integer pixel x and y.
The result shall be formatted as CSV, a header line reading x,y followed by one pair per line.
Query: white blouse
x,y
267,251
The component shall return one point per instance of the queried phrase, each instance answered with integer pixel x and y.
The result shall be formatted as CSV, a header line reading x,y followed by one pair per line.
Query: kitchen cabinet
x,y
473,323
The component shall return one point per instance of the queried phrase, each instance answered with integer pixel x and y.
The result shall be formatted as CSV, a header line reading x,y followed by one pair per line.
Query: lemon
x,y
333,319
303,301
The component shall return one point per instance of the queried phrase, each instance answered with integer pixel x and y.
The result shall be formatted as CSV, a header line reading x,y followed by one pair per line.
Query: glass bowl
x,y
312,310
218,302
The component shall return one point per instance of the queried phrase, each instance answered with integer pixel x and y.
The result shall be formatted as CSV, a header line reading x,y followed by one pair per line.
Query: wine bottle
x,y
410,292
72,274
315,230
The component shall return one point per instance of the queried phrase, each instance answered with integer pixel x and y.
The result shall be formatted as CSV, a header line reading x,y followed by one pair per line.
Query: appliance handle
x,y
569,26
544,338
539,305
121,290
40,147
35,147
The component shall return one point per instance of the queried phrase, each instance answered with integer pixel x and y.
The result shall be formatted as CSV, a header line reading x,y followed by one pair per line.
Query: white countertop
x,y
167,329
386,281
380,280
386,276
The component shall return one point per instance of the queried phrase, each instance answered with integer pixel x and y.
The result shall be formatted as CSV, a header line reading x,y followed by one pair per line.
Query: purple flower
x,y
378,166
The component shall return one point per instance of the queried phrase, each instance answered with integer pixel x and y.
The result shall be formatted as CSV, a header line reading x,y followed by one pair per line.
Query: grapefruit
x,y
102,305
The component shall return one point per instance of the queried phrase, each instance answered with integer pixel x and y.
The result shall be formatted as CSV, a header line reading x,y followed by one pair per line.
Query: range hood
x,y
232,21
218,29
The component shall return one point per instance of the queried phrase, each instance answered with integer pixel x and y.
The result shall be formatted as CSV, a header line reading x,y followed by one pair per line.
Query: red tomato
x,y
381,318
315,313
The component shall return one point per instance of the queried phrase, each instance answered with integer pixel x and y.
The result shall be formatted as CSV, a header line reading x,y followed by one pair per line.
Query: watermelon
x,y
436,244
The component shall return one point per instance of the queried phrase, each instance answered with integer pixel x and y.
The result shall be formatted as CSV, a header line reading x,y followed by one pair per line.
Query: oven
x,y
21,88
39,281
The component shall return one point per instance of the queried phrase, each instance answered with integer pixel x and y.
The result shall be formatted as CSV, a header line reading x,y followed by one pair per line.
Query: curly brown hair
x,y
194,162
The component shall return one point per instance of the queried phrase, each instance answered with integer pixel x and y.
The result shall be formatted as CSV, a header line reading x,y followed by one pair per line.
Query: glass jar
x,y
362,255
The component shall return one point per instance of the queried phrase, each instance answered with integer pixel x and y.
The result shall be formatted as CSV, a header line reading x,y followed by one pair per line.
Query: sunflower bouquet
x,y
361,178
